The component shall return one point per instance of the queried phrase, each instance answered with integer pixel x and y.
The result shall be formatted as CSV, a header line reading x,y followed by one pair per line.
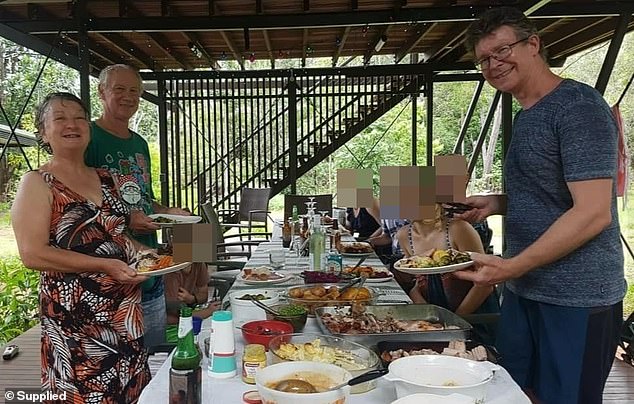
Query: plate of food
x,y
262,275
151,263
354,249
372,274
165,220
434,262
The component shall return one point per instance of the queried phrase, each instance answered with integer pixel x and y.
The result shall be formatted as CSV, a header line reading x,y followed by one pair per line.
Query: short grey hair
x,y
104,75
493,19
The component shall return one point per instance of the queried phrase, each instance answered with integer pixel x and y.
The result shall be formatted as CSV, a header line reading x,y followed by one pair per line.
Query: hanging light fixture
x,y
380,43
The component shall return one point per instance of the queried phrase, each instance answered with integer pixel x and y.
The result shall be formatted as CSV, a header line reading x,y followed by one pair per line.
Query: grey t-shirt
x,y
569,135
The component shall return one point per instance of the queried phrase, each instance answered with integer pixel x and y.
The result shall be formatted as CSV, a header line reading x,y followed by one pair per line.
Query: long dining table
x,y
502,389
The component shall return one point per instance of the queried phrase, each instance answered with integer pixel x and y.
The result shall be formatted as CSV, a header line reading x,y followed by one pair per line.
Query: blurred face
x,y
506,60
66,126
120,96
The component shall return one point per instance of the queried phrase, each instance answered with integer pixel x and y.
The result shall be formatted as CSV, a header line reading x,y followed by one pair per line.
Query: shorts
x,y
563,354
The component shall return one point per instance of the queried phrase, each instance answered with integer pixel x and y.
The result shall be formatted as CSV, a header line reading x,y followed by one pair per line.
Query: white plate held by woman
x,y
166,270
165,220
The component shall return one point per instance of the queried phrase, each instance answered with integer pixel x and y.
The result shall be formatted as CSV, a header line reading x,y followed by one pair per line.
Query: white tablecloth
x,y
502,390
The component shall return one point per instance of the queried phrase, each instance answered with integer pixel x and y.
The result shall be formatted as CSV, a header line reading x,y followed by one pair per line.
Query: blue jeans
x,y
154,314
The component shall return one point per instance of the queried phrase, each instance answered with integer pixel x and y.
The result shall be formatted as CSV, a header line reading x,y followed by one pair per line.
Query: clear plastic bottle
x,y
317,247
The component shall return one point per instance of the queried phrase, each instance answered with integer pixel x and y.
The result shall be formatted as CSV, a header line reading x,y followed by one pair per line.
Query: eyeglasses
x,y
499,55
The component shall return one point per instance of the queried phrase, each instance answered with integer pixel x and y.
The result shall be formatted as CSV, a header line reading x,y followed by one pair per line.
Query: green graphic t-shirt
x,y
129,163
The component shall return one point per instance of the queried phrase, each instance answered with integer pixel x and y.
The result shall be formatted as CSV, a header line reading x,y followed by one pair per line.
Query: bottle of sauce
x,y
286,234
185,383
253,359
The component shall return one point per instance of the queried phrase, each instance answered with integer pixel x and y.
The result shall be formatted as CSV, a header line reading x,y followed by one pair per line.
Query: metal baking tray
x,y
386,346
426,312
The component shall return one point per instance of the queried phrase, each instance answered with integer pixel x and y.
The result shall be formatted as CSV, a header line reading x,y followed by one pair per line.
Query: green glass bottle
x,y
185,373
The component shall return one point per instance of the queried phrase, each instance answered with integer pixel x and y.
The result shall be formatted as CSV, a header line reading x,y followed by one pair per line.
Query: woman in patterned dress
x,y
69,225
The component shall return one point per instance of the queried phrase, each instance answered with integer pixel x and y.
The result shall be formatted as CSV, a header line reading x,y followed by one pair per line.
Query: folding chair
x,y
322,202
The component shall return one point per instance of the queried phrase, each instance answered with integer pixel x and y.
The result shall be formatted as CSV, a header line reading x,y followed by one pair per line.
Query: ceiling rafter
x,y
587,38
304,45
269,49
372,48
572,29
451,38
420,30
160,41
342,43
128,48
236,55
192,37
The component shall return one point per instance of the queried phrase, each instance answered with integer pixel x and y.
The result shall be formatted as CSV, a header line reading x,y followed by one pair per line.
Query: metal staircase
x,y
233,132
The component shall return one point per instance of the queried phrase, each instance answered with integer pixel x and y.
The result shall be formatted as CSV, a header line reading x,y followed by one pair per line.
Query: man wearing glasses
x,y
563,266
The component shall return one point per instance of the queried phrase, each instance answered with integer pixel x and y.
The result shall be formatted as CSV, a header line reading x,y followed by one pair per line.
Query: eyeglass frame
x,y
495,55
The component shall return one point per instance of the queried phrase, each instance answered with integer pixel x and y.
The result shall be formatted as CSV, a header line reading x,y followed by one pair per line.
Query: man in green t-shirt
x,y
125,153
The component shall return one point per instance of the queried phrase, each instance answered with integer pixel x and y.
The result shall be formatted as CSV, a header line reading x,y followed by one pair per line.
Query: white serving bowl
x,y
432,374
419,398
286,370
244,310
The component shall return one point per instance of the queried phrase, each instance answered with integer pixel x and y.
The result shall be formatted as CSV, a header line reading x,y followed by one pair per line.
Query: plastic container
x,y
298,321
245,311
263,331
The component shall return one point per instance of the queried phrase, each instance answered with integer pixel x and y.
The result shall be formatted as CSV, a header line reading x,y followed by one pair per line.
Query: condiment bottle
x,y
253,359
185,373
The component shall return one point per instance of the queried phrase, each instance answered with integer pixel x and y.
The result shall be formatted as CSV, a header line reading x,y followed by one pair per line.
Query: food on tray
x,y
455,348
162,219
147,261
292,310
368,323
321,295
367,271
321,292
314,351
260,274
434,258
354,247
248,296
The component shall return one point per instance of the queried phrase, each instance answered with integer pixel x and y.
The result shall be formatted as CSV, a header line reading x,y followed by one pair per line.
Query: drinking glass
x,y
277,257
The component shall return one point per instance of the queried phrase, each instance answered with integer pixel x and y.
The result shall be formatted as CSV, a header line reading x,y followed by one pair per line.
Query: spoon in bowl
x,y
304,387
265,307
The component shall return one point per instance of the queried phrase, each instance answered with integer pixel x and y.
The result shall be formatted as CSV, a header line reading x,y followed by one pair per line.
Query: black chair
x,y
322,202
252,213
224,252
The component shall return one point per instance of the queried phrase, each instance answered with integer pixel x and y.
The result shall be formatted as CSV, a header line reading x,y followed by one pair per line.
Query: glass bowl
x,y
298,321
322,295
353,357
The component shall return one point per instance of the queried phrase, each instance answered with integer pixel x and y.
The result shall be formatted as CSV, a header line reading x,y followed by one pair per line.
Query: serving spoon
x,y
264,307
304,387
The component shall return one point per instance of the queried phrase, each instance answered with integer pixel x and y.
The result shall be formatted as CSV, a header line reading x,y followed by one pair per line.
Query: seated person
x,y
365,221
188,287
389,251
461,297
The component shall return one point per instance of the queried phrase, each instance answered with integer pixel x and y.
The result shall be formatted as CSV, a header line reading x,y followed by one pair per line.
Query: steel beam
x,y
342,43
83,50
613,51
341,19
457,149
232,48
269,49
420,31
429,92
292,134
483,133
129,49
164,153
304,45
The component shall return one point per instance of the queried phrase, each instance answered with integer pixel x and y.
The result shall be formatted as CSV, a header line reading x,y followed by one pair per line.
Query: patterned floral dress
x,y
92,325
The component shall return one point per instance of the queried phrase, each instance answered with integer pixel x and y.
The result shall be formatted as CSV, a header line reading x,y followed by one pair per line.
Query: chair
x,y
322,202
222,252
253,209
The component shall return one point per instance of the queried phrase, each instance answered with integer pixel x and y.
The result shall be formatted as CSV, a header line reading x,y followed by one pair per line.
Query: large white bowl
x,y
432,373
244,310
419,398
286,370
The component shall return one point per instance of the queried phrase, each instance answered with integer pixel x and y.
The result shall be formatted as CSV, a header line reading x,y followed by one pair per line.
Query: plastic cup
x,y
197,322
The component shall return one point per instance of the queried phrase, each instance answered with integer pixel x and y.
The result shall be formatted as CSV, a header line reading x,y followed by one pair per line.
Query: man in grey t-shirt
x,y
563,267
